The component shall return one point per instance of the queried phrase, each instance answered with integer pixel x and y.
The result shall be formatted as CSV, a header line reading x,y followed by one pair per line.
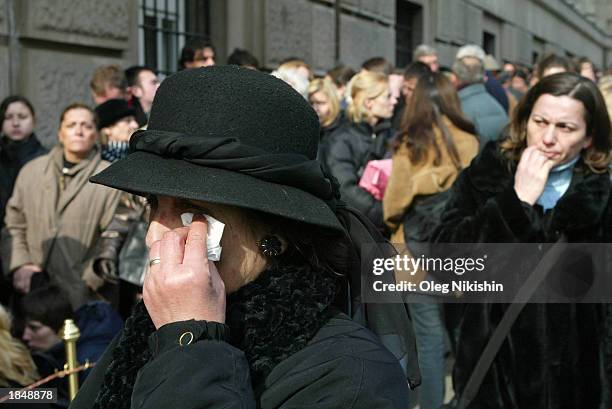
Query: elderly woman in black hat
x,y
116,124
263,326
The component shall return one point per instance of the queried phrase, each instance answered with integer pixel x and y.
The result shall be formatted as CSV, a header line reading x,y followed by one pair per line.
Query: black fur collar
x,y
582,206
585,202
270,319
276,315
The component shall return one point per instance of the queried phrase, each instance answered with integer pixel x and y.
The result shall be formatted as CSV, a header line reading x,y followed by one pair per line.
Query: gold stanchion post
x,y
70,334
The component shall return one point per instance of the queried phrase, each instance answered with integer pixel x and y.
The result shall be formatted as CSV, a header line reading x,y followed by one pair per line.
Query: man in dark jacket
x,y
45,310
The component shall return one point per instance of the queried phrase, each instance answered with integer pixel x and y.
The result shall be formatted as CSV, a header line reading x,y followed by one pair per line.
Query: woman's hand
x,y
185,284
22,277
531,175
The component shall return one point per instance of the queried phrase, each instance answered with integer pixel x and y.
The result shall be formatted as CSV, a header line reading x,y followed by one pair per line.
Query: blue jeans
x,y
429,332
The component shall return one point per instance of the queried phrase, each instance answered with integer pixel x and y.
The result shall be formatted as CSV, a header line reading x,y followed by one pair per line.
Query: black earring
x,y
270,246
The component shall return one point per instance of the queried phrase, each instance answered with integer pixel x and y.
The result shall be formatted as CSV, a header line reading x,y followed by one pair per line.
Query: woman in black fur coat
x,y
549,177
260,327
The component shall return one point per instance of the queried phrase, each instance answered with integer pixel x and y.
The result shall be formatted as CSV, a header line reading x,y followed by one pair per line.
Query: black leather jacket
x,y
121,241
349,149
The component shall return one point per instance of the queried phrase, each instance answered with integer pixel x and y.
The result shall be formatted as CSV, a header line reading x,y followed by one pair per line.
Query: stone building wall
x,y
4,50
306,29
54,46
276,29
521,27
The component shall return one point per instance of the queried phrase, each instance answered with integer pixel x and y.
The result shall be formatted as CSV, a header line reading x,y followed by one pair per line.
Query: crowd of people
x,y
93,230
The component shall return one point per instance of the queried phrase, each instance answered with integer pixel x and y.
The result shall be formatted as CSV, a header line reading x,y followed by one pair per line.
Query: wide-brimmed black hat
x,y
113,110
230,135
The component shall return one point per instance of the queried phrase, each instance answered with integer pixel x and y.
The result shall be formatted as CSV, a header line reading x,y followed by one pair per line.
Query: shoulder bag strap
x,y
499,335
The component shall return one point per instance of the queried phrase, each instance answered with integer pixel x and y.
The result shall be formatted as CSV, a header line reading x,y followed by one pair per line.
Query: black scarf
x,y
270,319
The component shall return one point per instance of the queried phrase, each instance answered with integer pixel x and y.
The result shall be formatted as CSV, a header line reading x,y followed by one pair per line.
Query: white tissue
x,y
213,234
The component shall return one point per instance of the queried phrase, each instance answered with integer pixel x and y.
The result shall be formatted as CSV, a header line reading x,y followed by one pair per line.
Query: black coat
x,y
349,150
324,137
13,155
550,358
343,366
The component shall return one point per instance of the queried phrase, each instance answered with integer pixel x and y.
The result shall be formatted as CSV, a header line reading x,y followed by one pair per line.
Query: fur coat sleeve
x,y
483,206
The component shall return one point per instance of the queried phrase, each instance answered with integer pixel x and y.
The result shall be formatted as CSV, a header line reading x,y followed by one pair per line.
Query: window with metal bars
x,y
164,28
408,31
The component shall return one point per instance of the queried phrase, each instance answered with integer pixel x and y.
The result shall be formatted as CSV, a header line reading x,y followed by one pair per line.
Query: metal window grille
x,y
164,28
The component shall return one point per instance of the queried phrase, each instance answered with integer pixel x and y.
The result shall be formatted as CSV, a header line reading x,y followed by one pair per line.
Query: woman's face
x,y
122,130
18,121
587,71
320,103
78,133
557,128
380,107
38,336
203,57
241,262
519,84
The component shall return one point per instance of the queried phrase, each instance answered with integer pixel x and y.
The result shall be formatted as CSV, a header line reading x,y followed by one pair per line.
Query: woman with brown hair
x,y
435,143
548,180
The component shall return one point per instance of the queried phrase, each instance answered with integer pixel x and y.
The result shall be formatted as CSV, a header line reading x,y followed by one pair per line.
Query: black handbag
x,y
424,216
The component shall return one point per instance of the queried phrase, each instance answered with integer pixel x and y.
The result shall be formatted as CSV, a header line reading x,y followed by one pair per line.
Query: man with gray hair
x,y
478,105
427,55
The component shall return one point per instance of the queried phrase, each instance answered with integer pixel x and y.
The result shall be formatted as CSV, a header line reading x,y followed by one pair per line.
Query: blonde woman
x,y
364,137
16,366
324,100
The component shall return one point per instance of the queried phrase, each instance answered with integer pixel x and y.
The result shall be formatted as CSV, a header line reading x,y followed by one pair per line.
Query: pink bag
x,y
375,177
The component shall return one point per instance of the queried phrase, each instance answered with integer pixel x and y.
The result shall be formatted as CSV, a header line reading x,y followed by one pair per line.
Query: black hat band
x,y
227,153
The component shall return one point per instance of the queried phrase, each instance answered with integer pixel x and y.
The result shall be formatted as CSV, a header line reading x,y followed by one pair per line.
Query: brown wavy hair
x,y
434,96
598,156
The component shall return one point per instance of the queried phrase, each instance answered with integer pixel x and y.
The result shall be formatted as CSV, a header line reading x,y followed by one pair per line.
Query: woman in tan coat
x,y
435,142
55,216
